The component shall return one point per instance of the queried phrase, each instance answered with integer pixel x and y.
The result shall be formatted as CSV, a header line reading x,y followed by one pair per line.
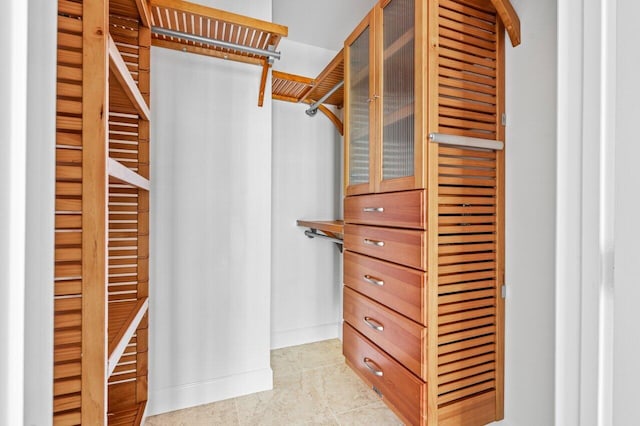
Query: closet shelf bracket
x,y
326,230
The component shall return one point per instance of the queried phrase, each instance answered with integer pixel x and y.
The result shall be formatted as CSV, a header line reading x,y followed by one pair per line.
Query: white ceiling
x,y
322,23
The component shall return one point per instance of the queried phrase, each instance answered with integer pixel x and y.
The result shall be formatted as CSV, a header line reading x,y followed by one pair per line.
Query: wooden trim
x,y
209,12
123,173
95,61
143,11
510,19
376,88
206,52
431,116
500,225
263,82
134,311
122,74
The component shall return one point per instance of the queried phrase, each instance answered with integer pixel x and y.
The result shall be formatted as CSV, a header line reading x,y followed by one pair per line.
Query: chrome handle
x,y
374,242
373,209
373,280
373,323
376,371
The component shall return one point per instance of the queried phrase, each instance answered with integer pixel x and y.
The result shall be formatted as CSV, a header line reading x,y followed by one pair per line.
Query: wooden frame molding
x,y
509,18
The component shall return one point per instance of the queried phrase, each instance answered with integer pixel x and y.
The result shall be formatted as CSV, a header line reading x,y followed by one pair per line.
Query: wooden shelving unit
x,y
102,212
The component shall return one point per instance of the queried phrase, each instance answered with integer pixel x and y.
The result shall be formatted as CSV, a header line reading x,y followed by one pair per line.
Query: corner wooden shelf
x,y
299,89
126,175
124,318
122,75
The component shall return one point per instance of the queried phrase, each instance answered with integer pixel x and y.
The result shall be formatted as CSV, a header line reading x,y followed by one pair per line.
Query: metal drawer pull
x,y
369,363
373,323
373,209
374,242
373,280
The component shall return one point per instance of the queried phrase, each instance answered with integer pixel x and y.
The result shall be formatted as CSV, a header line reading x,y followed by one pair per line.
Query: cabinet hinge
x,y
503,291
504,119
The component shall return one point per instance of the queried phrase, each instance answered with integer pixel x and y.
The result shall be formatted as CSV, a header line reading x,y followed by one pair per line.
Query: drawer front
x,y
401,246
397,209
400,288
398,336
399,388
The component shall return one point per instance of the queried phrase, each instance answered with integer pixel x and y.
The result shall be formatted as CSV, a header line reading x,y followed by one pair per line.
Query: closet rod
x,y
466,141
213,42
313,109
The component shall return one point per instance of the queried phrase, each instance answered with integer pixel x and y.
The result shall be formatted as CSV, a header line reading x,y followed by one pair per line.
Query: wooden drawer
x,y
400,389
398,287
397,209
398,336
401,246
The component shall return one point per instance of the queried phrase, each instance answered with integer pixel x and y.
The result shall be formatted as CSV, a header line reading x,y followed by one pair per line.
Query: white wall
x,y
307,180
39,261
627,205
211,236
13,117
530,217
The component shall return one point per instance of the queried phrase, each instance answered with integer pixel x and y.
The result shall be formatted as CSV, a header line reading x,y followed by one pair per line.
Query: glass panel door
x,y
398,81
359,121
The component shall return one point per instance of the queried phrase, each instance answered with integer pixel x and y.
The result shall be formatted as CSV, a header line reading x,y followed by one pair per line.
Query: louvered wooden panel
x,y
129,223
467,284
467,71
68,219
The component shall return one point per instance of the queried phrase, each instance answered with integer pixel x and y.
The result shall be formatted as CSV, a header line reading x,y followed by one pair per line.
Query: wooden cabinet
x,y
424,208
383,93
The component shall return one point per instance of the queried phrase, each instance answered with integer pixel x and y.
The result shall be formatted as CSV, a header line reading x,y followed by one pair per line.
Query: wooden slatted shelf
x,y
212,27
124,318
124,174
123,76
131,416
328,78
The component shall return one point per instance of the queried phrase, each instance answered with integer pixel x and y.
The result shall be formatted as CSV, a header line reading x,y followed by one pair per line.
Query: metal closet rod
x,y
214,42
311,111
466,141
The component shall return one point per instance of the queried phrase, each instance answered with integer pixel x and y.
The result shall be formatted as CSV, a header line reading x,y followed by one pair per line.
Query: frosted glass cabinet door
x,y
398,94
359,144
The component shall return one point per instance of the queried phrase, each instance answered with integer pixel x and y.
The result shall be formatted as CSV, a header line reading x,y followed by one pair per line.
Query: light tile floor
x,y
311,386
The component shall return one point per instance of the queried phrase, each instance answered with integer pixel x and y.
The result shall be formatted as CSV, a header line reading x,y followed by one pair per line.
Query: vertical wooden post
x,y
500,216
144,62
94,206
432,214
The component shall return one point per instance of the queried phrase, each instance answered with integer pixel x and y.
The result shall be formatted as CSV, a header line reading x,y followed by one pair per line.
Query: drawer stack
x,y
385,316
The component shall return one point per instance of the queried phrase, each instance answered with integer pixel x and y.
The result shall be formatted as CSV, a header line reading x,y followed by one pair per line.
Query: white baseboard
x,y
301,336
191,395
